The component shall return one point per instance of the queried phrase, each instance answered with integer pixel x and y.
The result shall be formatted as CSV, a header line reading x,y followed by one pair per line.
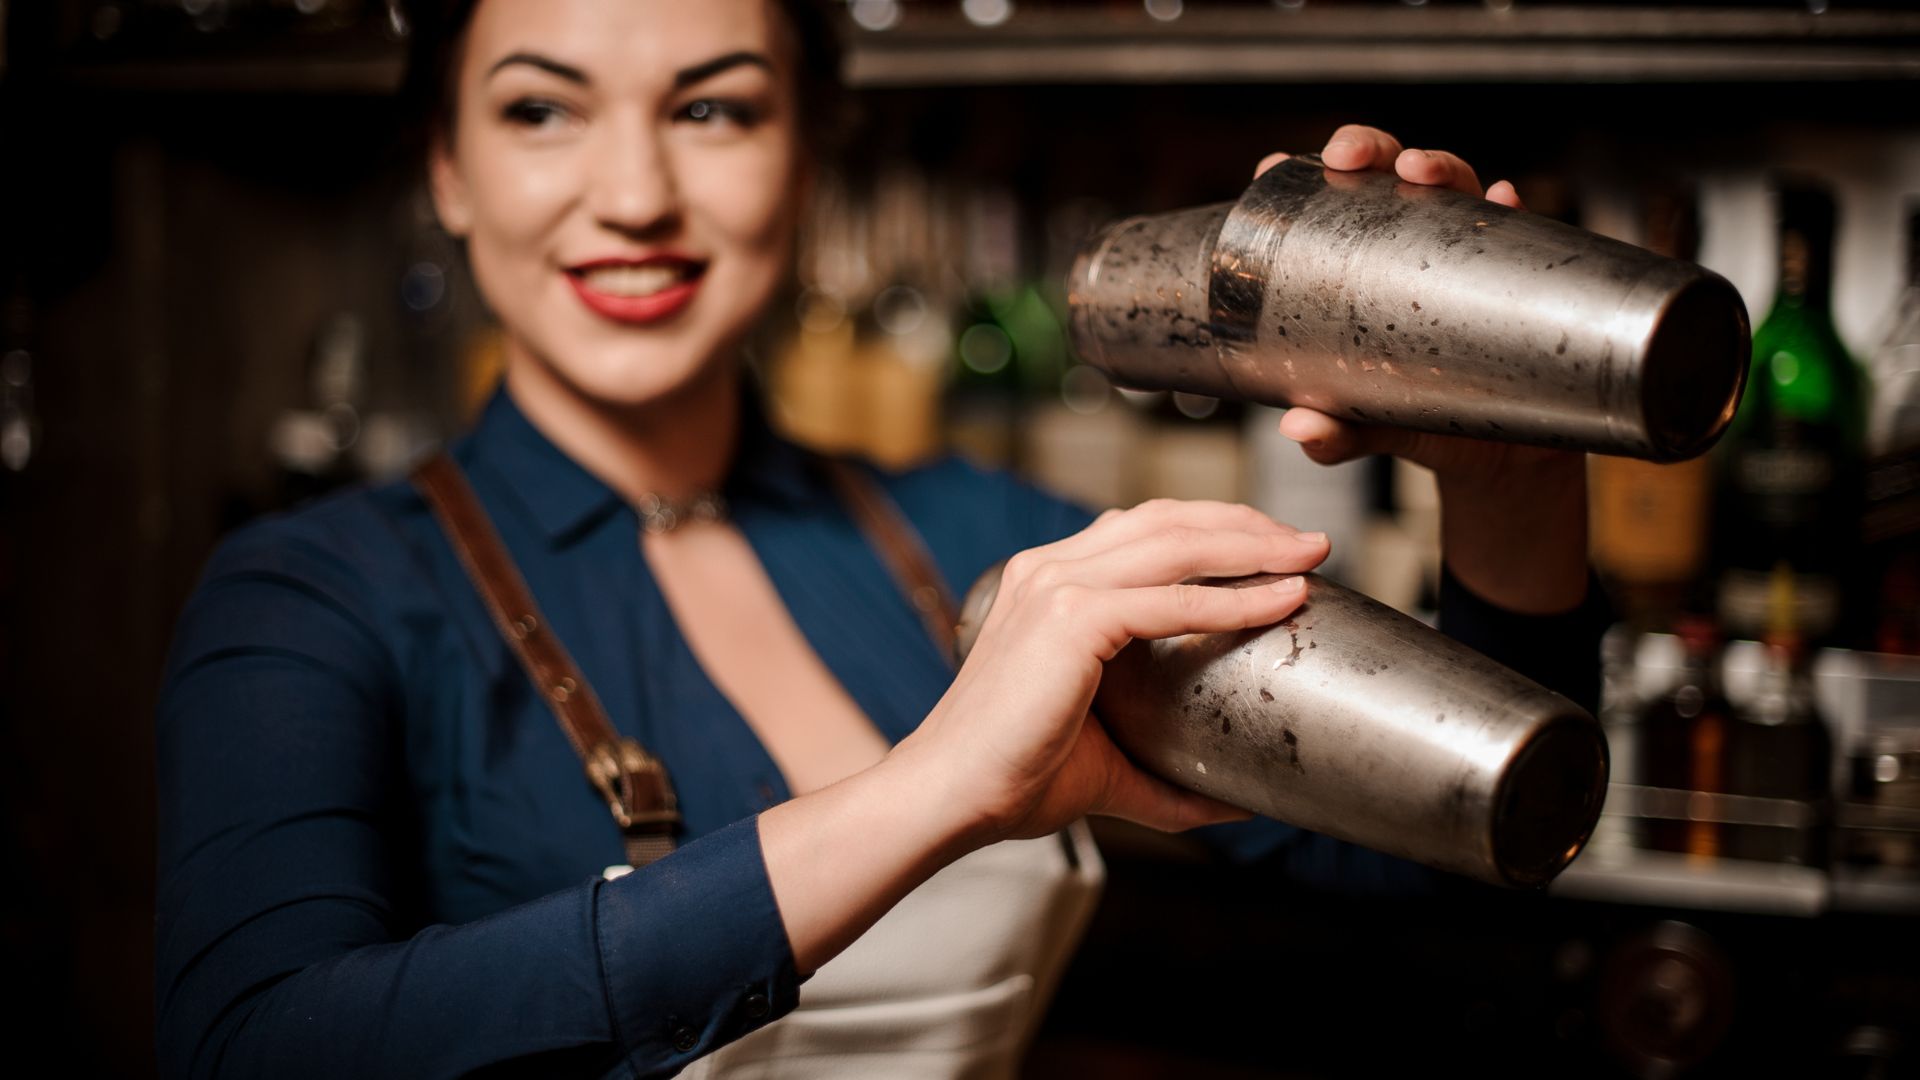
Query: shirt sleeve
x,y
286,940
1560,652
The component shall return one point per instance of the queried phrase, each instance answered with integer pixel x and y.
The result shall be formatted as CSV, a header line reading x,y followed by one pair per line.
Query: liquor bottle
x,y
1781,749
1789,468
1894,424
1008,346
1649,519
1010,351
1891,524
1683,740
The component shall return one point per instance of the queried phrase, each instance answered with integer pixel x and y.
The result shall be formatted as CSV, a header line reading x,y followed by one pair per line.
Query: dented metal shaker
x,y
1353,720
1380,301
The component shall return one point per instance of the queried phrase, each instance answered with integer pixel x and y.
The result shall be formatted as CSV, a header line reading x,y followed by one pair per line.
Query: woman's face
x,y
627,175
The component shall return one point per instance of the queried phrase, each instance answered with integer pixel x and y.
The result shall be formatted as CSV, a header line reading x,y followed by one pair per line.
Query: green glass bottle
x,y
1789,468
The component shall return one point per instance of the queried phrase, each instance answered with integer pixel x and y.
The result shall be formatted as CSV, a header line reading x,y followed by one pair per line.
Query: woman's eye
x,y
533,113
719,110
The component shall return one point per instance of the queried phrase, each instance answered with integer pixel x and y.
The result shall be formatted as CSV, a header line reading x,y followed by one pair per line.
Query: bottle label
x,y
1649,521
1771,472
1745,602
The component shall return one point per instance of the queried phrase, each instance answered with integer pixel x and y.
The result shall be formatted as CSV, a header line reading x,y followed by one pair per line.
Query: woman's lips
x,y
649,308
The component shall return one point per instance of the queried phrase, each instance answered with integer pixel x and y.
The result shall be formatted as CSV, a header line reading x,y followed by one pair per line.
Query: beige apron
x,y
949,984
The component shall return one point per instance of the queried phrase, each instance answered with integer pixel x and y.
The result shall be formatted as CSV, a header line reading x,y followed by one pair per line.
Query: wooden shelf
x,y
1384,45
1390,45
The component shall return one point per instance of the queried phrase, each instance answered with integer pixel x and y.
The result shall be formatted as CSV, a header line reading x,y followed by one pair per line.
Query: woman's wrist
x,y
841,857
946,805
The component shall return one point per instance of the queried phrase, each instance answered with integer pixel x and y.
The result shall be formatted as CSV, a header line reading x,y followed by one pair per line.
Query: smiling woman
x,y
378,854
618,166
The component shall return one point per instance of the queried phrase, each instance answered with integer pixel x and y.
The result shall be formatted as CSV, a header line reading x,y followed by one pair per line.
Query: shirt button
x,y
758,1007
685,1038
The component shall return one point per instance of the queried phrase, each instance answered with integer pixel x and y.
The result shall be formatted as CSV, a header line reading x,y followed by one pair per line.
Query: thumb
x,y
1136,796
1151,801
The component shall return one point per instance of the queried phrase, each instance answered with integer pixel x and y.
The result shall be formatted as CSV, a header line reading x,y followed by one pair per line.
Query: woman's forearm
x,y
1521,543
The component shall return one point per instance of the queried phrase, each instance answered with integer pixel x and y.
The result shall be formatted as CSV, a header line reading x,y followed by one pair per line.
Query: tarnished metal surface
x,y
1386,302
1358,722
1140,309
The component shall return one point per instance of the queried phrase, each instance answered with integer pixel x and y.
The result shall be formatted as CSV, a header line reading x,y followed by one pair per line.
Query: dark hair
x,y
436,27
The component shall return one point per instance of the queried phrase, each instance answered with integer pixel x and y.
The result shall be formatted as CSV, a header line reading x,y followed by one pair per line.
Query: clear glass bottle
x,y
1894,422
1891,525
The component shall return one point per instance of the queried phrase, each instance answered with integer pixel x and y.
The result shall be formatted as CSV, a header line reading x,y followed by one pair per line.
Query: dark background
x,y
176,218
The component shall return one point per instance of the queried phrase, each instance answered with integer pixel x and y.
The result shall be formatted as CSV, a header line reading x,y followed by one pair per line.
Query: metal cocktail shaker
x,y
1353,720
1385,302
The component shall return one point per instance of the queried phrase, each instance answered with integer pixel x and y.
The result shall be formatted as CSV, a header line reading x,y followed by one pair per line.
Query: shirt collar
x,y
563,499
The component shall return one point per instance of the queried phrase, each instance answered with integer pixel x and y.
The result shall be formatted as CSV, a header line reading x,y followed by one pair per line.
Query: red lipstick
x,y
639,310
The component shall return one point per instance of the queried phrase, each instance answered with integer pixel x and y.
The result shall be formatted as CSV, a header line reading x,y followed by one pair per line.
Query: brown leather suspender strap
x,y
632,781
899,546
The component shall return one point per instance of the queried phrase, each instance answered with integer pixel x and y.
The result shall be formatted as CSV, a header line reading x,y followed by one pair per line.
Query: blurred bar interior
x,y
222,291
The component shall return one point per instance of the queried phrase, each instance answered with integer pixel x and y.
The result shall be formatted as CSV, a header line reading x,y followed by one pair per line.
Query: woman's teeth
x,y
635,280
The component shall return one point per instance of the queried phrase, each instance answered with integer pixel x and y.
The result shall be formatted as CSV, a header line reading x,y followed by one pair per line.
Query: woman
x,y
378,855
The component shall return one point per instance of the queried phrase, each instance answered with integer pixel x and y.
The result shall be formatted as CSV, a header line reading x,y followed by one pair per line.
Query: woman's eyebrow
x,y
547,64
707,69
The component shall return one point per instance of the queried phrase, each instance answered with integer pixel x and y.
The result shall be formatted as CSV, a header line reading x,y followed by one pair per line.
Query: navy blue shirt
x,y
378,853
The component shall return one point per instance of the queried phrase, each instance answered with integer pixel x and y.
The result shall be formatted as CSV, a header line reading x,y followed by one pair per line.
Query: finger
x,y
1436,168
1269,162
1504,193
1183,552
1329,441
1357,146
1164,611
1137,796
1148,800
1108,532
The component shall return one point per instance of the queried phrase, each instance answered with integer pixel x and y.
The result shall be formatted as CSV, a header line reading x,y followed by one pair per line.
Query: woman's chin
x,y
641,382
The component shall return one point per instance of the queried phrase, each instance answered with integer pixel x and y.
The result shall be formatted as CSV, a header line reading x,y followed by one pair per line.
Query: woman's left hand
x,y
1513,518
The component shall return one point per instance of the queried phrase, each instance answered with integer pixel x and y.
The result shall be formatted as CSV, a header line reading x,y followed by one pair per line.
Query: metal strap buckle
x,y
614,768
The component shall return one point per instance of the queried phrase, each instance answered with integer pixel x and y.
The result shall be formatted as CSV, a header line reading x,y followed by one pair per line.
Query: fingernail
x,y
1342,141
1289,585
1312,538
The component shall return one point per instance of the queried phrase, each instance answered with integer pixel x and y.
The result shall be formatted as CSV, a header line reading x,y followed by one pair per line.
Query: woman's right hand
x,y
1012,750
1013,742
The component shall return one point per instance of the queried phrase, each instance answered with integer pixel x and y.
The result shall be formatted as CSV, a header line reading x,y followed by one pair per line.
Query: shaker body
x,y
1380,301
1353,720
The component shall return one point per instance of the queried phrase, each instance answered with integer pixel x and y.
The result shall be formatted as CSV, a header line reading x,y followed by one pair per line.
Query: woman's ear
x,y
450,201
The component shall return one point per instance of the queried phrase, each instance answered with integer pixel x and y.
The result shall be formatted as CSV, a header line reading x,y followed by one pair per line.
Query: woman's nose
x,y
632,189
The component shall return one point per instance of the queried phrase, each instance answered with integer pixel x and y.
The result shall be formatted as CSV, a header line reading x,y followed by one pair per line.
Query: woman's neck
x,y
677,446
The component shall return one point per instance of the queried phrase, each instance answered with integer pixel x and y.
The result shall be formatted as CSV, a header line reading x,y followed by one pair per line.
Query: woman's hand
x,y
1011,750
1513,518
1013,739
